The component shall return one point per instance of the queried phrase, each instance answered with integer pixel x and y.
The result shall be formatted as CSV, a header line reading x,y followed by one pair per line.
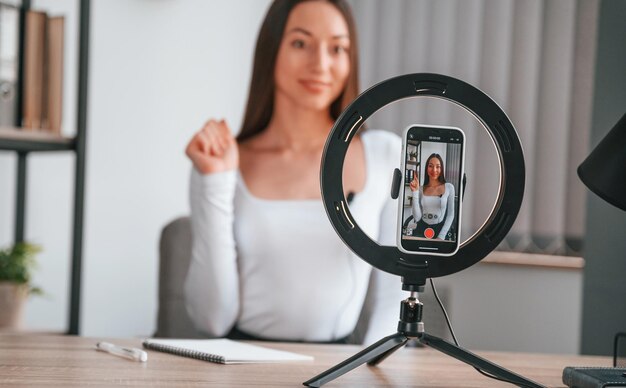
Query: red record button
x,y
429,233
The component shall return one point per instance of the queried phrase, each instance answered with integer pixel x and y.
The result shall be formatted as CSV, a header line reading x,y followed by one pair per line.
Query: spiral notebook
x,y
222,350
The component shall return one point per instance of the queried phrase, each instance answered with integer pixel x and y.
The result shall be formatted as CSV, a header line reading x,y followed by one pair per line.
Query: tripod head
x,y
415,282
410,323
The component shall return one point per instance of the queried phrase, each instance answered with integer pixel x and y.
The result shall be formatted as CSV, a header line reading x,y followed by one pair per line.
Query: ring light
x,y
416,268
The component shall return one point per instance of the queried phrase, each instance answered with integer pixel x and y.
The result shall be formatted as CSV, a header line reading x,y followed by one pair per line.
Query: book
x,y
222,350
9,43
53,75
43,72
34,51
594,377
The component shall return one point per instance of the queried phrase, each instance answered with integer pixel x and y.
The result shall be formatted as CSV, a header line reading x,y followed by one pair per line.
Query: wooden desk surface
x,y
40,360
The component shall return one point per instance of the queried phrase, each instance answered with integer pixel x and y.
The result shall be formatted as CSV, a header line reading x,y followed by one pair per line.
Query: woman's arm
x,y
449,212
385,290
416,205
382,305
212,283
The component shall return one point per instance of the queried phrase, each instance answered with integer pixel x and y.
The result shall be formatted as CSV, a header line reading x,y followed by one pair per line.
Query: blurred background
x,y
159,69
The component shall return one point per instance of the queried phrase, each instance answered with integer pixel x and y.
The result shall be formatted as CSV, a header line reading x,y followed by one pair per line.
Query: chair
x,y
173,320
174,257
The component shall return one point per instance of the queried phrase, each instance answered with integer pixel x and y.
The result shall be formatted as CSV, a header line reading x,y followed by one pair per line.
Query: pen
x,y
130,353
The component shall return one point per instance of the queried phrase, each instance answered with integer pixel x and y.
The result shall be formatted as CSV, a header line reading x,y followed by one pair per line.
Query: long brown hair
x,y
260,104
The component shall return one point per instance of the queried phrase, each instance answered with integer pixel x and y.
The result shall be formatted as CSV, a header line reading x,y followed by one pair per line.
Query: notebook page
x,y
233,352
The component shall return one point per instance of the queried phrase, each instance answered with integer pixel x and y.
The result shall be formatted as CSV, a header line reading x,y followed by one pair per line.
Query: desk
x,y
40,360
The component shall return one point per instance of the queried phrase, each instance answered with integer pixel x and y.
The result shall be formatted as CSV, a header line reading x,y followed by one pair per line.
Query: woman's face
x,y
313,60
433,169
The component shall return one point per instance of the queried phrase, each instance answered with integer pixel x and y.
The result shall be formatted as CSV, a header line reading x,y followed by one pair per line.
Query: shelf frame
x,y
20,140
80,150
24,141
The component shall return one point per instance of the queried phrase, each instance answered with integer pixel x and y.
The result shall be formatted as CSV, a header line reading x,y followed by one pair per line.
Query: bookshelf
x,y
413,147
24,142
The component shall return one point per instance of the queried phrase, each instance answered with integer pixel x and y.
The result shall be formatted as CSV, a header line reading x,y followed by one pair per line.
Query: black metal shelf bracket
x,y
23,145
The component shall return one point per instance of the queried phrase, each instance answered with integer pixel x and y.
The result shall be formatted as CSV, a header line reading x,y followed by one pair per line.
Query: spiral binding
x,y
185,352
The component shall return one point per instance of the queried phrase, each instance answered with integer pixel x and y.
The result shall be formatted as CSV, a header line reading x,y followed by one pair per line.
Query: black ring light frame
x,y
414,268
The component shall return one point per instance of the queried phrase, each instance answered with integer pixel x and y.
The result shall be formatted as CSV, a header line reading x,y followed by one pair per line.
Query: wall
x,y
514,308
158,70
605,247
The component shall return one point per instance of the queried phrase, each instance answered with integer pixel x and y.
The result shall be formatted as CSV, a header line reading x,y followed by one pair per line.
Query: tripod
x,y
411,326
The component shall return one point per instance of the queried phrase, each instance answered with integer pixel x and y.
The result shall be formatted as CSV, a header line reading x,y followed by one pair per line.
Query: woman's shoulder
x,y
449,187
381,136
384,143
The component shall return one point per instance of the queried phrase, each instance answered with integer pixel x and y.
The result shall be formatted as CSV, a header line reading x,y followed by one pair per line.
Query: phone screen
x,y
430,205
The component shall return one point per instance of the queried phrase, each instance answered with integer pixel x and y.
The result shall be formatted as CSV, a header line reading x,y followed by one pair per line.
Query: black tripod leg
x,y
378,359
384,346
476,361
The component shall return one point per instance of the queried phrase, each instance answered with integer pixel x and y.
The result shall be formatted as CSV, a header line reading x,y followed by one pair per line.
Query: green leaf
x,y
18,262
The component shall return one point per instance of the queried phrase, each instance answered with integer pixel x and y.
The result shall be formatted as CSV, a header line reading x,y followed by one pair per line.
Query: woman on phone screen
x,y
433,203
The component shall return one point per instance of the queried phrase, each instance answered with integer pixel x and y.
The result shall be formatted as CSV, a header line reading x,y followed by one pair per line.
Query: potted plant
x,y
16,265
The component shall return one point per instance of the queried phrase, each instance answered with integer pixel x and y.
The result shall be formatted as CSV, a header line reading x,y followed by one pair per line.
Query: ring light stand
x,y
415,269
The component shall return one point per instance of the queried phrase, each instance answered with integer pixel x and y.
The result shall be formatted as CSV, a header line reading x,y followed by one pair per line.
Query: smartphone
x,y
429,216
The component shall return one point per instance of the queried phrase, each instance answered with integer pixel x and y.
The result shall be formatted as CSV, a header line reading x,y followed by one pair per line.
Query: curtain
x,y
452,173
535,58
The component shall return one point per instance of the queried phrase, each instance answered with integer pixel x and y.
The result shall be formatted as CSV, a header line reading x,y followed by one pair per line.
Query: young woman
x,y
266,262
433,203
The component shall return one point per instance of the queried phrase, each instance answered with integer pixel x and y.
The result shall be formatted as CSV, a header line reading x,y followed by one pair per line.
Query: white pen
x,y
130,353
